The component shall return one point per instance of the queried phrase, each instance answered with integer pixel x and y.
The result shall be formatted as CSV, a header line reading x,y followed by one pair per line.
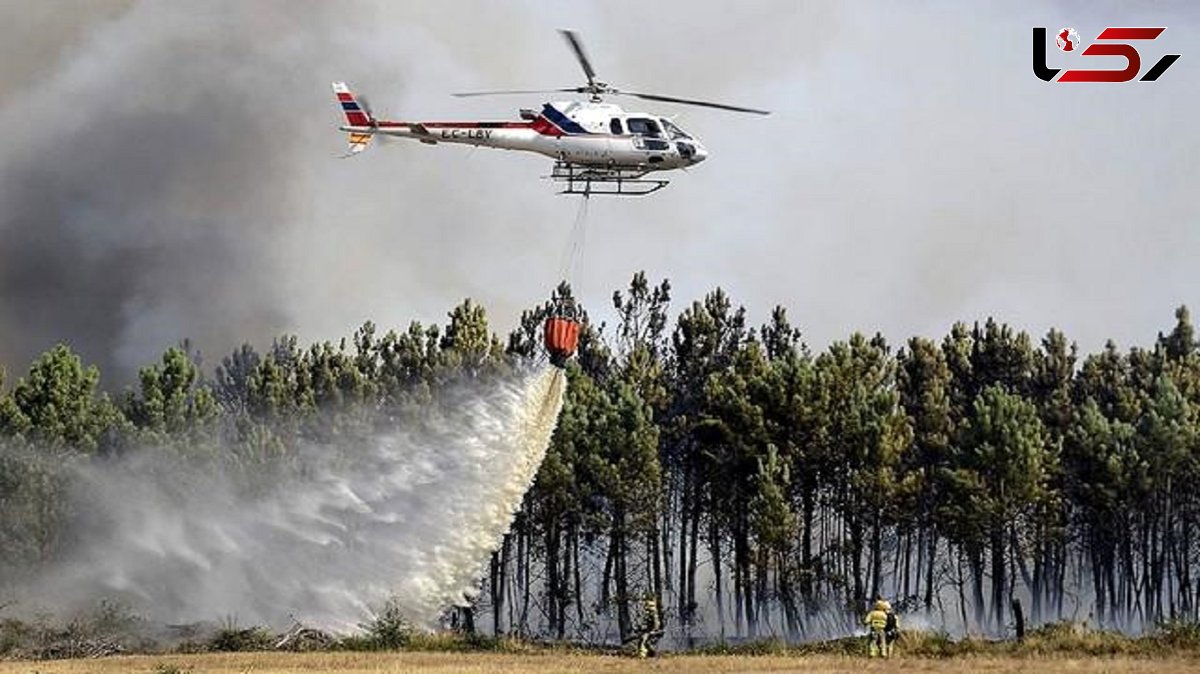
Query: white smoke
x,y
411,515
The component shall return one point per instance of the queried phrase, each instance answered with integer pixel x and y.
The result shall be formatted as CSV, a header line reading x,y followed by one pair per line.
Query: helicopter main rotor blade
x,y
577,47
505,92
686,101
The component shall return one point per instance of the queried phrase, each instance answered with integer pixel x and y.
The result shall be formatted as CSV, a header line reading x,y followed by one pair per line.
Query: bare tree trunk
x,y
808,506
904,566
552,576
962,597
607,575
578,577
787,596
666,552
1019,617
999,577
877,555
856,561
931,557
524,580
975,562
497,578
563,586
743,575
656,566
714,543
621,575
693,558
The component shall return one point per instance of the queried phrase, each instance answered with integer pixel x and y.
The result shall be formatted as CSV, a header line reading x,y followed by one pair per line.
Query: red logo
x,y
1068,40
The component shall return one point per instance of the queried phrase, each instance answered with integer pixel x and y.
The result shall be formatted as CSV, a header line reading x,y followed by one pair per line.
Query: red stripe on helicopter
x,y
546,127
461,125
541,125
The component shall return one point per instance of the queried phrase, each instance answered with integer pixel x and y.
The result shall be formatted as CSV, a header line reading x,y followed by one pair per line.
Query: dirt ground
x,y
487,663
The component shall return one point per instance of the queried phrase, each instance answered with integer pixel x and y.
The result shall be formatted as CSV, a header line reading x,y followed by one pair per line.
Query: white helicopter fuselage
x,y
590,134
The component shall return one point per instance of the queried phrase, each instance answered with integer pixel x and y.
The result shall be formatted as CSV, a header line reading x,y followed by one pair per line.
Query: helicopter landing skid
x,y
624,181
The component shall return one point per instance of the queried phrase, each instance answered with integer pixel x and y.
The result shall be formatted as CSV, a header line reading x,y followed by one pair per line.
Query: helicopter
x,y
597,147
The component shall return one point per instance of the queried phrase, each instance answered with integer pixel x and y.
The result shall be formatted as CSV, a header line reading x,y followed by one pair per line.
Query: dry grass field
x,y
555,663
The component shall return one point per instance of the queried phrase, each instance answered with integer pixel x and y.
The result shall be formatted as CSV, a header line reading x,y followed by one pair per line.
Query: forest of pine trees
x,y
752,486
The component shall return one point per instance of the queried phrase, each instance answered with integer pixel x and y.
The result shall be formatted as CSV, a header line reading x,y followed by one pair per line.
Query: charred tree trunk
x,y
578,578
877,555
856,562
999,575
497,577
523,581
563,587
714,546
1019,619
807,572
975,562
931,557
621,575
553,610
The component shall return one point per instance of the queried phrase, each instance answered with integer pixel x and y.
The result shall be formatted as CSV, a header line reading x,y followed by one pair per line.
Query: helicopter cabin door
x,y
648,138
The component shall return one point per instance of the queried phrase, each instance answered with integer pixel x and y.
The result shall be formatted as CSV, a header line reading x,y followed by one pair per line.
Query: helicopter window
x,y
674,132
652,144
643,127
615,126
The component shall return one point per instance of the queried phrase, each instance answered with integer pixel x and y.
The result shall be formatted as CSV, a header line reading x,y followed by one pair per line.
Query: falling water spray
x,y
409,515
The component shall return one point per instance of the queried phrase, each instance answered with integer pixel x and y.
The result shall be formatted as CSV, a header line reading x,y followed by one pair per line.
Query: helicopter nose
x,y
700,155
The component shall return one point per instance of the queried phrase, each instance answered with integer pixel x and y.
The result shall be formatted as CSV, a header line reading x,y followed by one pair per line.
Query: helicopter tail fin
x,y
357,143
357,117
356,114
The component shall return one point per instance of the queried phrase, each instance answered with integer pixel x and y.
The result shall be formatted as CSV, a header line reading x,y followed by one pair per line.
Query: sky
x,y
170,170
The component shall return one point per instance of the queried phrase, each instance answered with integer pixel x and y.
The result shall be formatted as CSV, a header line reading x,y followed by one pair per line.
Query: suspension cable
x,y
573,252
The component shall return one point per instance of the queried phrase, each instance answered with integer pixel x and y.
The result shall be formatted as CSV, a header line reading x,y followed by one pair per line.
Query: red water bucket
x,y
561,339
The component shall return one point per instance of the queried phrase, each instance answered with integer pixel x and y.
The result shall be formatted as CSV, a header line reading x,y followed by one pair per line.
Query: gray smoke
x,y
168,171
173,175
410,515
142,191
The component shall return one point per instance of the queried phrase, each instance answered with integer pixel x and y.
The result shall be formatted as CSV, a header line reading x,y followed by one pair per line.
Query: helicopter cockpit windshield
x,y
642,126
674,132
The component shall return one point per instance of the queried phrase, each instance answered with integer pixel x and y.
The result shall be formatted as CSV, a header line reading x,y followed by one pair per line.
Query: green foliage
x,y
389,630
14,635
231,638
34,507
172,400
987,465
56,404
1007,464
1177,635
468,345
